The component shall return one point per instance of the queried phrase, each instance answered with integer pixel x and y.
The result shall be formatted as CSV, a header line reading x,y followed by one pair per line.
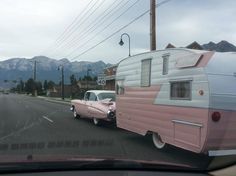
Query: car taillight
x,y
215,116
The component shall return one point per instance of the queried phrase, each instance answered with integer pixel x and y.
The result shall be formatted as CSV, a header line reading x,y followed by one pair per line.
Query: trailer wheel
x,y
156,138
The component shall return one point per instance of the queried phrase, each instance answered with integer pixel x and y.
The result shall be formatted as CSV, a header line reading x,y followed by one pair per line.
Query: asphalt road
x,y
34,126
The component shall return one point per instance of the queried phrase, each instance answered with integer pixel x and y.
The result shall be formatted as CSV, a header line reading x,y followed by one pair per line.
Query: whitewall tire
x,y
156,138
75,113
96,121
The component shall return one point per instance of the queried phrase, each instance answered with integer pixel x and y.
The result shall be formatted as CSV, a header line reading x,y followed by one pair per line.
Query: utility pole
x,y
88,69
34,77
152,25
62,81
35,70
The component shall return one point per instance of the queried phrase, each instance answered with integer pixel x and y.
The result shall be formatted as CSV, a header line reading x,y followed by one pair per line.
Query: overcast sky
x,y
35,27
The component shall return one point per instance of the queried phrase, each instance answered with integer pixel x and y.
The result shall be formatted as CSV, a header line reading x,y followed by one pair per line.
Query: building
x,y
87,85
110,76
56,91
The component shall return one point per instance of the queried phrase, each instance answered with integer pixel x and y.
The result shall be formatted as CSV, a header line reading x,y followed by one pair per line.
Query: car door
x,y
83,109
91,104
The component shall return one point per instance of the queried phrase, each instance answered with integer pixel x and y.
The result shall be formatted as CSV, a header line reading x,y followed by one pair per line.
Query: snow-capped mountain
x,y
46,69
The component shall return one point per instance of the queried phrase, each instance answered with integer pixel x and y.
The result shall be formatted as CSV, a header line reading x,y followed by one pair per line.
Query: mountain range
x,y
222,46
17,69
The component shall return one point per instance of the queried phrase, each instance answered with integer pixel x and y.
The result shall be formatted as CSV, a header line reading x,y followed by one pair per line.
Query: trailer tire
x,y
156,138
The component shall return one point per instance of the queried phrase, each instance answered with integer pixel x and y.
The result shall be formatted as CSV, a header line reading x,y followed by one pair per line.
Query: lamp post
x,y
122,43
61,67
87,76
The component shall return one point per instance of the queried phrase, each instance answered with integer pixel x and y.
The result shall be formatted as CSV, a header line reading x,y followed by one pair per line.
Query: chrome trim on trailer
x,y
187,123
221,152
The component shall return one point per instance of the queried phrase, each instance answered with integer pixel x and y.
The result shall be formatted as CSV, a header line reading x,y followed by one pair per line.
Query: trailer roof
x,y
169,49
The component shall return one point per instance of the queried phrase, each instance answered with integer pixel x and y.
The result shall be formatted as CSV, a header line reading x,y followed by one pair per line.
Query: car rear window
x,y
103,96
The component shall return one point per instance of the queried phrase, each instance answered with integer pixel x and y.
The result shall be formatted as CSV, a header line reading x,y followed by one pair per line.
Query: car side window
x,y
86,97
92,97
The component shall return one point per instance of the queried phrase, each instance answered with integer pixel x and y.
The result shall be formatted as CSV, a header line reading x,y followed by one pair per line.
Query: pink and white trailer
x,y
184,97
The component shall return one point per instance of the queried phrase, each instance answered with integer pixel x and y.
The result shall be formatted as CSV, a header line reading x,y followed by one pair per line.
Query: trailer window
x,y
103,96
165,64
146,72
181,90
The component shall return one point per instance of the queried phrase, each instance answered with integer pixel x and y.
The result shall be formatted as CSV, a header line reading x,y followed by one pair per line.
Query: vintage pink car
x,y
97,105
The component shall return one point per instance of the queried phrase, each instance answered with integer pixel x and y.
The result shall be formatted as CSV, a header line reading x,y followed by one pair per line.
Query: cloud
x,y
201,21
30,27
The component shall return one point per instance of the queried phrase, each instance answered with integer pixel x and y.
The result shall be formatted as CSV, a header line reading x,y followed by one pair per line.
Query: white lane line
x,y
47,119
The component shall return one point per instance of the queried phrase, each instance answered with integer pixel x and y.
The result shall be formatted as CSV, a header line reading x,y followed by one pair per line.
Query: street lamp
x,y
121,41
61,67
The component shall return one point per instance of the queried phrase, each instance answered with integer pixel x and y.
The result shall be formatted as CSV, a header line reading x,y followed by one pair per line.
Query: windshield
x,y
170,63
103,96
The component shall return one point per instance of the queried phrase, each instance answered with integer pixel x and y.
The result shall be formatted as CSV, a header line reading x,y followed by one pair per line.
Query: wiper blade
x,y
90,164
136,164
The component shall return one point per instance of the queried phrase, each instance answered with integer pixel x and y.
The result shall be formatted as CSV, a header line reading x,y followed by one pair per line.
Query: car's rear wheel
x,y
96,121
156,138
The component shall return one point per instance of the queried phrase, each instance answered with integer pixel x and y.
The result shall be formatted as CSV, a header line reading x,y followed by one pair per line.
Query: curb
x,y
55,101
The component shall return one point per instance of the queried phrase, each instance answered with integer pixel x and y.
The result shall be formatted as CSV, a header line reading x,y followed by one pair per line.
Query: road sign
x,y
101,80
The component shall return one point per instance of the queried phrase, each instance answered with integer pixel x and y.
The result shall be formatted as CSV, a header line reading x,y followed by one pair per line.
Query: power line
x,y
135,19
103,28
84,20
75,39
72,30
98,22
74,21
62,35
78,25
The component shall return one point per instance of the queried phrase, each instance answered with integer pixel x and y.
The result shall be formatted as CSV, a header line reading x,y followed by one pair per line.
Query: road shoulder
x,y
55,100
